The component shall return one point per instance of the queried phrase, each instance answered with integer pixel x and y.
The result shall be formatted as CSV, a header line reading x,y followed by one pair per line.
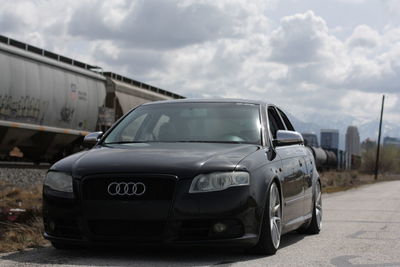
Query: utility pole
x,y
379,140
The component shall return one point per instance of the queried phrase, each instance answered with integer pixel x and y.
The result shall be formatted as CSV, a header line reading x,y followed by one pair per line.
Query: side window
x,y
289,125
275,122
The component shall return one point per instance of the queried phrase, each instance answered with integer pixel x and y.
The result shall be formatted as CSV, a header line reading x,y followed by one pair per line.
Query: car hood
x,y
181,159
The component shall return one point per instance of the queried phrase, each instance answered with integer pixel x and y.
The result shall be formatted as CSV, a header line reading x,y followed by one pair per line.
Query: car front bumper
x,y
185,219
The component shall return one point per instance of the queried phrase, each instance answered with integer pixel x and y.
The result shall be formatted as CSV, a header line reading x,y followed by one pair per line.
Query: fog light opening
x,y
219,228
52,226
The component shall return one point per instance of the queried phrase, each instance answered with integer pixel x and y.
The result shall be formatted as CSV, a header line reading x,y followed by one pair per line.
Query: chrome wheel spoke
x,y
273,234
275,237
277,223
272,200
276,208
319,218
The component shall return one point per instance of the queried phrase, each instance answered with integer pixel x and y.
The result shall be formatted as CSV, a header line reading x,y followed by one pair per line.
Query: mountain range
x,y
367,127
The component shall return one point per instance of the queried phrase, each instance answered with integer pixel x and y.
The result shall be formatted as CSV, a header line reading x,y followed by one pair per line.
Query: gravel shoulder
x,y
22,177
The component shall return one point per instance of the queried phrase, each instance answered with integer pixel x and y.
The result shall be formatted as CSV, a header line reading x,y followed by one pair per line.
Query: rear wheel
x,y
316,221
271,227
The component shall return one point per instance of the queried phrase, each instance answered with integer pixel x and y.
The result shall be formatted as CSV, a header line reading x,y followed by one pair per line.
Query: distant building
x,y
310,139
353,141
368,144
387,141
330,139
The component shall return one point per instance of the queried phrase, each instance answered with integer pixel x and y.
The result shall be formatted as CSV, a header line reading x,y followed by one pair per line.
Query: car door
x,y
293,167
306,167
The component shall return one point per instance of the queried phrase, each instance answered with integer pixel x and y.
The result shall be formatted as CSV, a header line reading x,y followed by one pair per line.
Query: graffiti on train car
x,y
26,108
82,96
66,114
74,92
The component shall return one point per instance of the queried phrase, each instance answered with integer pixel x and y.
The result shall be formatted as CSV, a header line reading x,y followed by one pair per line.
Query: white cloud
x,y
152,23
223,49
353,1
299,39
364,36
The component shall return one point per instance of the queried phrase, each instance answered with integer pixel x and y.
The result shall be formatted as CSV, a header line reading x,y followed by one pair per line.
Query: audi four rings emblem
x,y
126,189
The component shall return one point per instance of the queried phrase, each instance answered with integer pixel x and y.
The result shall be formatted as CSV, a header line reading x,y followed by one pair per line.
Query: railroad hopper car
x,y
49,102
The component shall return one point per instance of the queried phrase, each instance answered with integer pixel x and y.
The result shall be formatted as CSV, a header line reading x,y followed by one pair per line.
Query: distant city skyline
x,y
366,129
391,141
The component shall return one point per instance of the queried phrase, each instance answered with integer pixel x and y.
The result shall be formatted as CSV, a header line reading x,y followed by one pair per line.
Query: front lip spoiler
x,y
247,240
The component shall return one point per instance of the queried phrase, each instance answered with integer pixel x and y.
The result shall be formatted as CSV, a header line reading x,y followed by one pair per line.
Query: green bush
x,y
389,159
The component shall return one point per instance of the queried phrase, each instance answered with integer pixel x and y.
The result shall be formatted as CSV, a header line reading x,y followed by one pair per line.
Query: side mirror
x,y
286,138
92,138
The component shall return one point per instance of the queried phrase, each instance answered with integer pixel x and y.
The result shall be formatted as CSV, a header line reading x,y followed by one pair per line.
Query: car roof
x,y
208,100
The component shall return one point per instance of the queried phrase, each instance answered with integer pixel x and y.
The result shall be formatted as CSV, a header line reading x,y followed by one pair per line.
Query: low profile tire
x,y
316,221
63,246
271,227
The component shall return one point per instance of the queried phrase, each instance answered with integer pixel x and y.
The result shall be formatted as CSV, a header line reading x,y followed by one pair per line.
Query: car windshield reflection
x,y
233,123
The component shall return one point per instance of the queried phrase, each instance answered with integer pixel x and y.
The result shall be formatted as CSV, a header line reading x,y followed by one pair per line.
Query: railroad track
x,y
23,165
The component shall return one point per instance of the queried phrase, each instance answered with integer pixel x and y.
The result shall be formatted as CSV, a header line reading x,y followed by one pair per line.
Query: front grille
x,y
95,188
127,229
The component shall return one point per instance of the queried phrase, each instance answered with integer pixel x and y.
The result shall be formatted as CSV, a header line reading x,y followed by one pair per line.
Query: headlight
x,y
218,181
59,181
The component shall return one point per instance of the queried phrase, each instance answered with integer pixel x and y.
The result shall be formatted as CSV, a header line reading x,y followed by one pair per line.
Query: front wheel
x,y
271,227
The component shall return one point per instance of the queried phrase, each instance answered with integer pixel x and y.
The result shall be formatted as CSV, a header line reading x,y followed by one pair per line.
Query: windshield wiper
x,y
213,142
188,141
126,142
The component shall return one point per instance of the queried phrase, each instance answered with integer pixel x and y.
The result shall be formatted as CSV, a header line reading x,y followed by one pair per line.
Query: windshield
x,y
190,122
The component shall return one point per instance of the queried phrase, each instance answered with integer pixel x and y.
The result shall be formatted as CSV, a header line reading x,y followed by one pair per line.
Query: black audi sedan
x,y
186,172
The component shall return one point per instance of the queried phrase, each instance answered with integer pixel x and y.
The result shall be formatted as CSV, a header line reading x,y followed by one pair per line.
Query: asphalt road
x,y
361,227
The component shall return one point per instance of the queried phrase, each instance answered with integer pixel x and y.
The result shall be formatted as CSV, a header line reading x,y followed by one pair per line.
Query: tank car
x,y
331,162
320,157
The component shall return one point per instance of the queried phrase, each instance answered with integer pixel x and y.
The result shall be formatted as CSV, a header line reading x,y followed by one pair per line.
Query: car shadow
x,y
154,256
290,239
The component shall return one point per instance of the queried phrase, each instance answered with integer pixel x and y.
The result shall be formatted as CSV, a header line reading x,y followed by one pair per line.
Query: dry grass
x,y
18,236
23,198
334,181
27,230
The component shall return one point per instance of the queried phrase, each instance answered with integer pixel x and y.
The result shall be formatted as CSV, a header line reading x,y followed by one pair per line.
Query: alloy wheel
x,y
275,215
318,205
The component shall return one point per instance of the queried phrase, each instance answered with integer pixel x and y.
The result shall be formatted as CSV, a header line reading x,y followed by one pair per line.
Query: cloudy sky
x,y
308,56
